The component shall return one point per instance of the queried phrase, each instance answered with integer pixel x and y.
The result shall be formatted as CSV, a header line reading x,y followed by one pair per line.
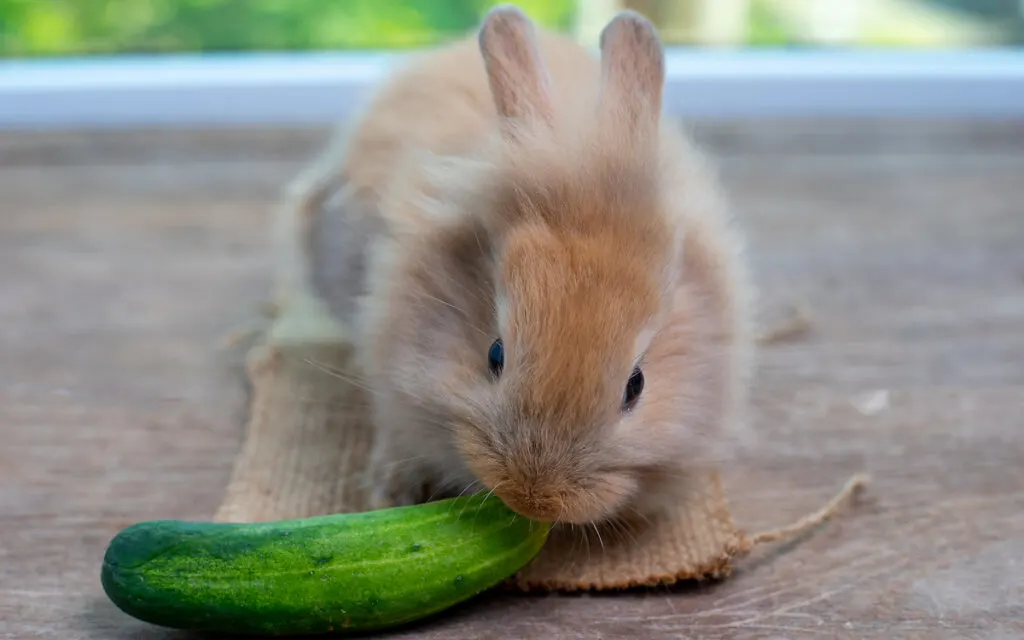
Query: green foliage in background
x,y
65,27
77,27
766,28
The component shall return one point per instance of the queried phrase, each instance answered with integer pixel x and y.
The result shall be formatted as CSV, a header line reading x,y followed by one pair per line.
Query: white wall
x,y
319,88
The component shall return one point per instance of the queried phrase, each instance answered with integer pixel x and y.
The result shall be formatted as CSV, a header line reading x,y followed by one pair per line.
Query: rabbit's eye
x,y
496,357
634,386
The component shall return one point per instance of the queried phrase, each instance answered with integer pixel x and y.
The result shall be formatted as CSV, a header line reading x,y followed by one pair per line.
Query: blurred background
x,y
85,27
227,63
873,151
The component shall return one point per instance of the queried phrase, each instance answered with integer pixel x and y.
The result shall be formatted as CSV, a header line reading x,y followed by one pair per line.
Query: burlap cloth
x,y
308,437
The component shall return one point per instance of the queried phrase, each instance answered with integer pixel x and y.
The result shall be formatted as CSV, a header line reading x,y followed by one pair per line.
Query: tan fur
x,y
633,75
518,80
531,191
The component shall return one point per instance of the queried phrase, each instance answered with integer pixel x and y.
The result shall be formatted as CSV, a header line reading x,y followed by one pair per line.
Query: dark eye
x,y
634,386
496,357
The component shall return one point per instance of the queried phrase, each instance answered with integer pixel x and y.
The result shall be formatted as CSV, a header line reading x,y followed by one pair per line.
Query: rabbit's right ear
x,y
517,75
633,73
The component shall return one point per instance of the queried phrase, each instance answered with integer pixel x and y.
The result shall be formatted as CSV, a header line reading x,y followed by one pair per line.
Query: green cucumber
x,y
354,571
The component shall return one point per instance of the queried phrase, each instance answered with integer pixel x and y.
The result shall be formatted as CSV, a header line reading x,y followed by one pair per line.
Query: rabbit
x,y
547,294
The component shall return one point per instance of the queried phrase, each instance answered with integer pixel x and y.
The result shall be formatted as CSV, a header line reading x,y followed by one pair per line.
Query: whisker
x,y
335,372
468,487
598,533
395,463
462,313
493,489
443,486
620,531
461,493
633,511
582,531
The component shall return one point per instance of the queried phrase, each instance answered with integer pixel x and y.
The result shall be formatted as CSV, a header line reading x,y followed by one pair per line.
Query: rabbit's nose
x,y
532,500
540,509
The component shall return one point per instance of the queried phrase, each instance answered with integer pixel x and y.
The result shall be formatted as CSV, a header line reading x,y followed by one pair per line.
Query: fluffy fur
x,y
525,189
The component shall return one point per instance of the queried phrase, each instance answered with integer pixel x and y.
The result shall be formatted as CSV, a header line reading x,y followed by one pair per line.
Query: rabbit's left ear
x,y
517,75
632,73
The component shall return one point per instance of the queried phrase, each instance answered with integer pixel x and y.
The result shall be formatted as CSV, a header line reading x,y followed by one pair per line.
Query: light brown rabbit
x,y
547,297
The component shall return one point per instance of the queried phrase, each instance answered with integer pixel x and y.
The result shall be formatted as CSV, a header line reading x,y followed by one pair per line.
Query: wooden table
x,y
124,258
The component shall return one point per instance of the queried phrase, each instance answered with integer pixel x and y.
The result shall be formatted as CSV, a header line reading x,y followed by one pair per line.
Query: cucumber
x,y
353,571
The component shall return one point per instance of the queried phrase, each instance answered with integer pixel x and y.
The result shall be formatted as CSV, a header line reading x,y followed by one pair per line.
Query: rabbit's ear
x,y
517,75
632,73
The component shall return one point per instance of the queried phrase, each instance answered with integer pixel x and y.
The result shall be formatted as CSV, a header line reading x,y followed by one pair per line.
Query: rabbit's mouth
x,y
551,497
591,501
547,484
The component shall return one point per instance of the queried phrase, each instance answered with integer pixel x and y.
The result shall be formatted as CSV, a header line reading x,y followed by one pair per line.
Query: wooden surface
x,y
124,258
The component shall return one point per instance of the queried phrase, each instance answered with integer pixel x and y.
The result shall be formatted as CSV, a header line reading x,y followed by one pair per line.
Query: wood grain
x,y
124,258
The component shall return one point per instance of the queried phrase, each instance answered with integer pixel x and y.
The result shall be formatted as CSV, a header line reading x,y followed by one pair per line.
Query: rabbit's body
x,y
480,201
